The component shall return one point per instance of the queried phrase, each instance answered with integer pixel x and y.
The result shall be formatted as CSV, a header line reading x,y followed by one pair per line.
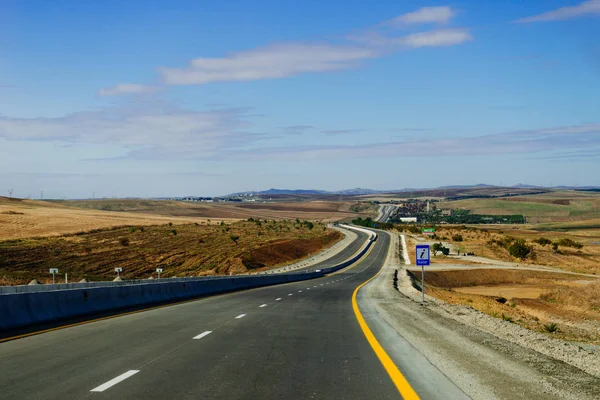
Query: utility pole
x,y
41,195
10,192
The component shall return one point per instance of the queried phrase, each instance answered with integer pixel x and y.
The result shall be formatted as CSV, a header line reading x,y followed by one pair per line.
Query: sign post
x,y
423,259
118,270
428,231
53,271
159,270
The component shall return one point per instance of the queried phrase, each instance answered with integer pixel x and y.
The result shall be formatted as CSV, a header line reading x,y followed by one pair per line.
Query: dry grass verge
x,y
182,250
566,306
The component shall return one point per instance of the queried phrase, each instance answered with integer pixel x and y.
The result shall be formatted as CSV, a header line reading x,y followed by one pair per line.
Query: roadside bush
x,y
173,232
565,242
507,318
551,327
439,247
234,238
457,238
555,248
543,241
170,224
414,229
519,249
131,229
124,242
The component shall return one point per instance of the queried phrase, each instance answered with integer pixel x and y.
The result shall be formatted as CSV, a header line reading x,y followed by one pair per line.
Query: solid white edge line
x,y
240,316
114,381
200,336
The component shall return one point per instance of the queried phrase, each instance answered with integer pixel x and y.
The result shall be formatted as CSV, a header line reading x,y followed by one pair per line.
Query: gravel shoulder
x,y
485,357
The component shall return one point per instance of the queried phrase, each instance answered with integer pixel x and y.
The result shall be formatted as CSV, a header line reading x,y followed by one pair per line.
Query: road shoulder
x,y
478,363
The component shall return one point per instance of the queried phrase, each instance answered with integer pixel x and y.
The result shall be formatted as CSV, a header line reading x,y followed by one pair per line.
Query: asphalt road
x,y
385,213
294,341
342,256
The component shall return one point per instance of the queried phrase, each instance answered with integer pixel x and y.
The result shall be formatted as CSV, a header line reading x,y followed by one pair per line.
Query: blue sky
x,y
154,98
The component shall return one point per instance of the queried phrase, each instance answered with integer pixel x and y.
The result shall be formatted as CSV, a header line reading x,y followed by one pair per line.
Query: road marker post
x,y
118,270
159,270
53,271
423,259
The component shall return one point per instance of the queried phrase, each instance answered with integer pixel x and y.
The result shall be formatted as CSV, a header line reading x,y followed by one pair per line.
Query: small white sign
x,y
118,269
54,270
159,270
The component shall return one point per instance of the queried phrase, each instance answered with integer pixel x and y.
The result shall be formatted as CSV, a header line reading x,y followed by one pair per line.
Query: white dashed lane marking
x,y
116,380
262,305
200,336
240,316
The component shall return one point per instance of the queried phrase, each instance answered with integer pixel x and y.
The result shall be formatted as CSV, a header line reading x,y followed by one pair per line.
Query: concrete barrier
x,y
18,310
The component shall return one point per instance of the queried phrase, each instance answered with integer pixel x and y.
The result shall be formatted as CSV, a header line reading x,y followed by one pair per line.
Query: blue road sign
x,y
422,254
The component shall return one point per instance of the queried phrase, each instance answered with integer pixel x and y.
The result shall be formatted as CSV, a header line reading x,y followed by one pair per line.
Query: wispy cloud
x,y
289,59
297,129
150,132
440,37
127,88
277,61
439,15
342,131
577,138
590,7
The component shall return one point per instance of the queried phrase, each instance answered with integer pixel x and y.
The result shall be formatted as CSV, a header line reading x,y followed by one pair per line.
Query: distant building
x,y
408,219
446,213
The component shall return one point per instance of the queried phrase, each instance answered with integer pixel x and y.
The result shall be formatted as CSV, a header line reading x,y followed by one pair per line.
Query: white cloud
x,y
439,15
127,88
296,58
441,37
149,132
590,7
277,61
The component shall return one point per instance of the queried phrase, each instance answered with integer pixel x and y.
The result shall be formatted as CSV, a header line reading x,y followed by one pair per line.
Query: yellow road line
x,y
406,391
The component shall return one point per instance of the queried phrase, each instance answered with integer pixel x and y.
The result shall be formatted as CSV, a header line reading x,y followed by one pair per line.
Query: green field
x,y
561,206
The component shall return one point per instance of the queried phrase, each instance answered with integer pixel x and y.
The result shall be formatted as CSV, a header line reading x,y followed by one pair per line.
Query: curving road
x,y
298,341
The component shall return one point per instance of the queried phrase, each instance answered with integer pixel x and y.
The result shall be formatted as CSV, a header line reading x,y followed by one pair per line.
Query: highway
x,y
297,341
385,212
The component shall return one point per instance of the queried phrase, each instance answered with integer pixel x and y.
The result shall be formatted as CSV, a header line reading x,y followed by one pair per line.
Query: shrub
x,y
507,318
519,249
436,247
445,251
234,238
195,223
457,238
565,242
173,232
543,241
250,219
555,247
124,241
414,229
131,229
551,327
170,224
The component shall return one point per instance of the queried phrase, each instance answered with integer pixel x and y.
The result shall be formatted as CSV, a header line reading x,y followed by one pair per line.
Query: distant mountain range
x,y
359,191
